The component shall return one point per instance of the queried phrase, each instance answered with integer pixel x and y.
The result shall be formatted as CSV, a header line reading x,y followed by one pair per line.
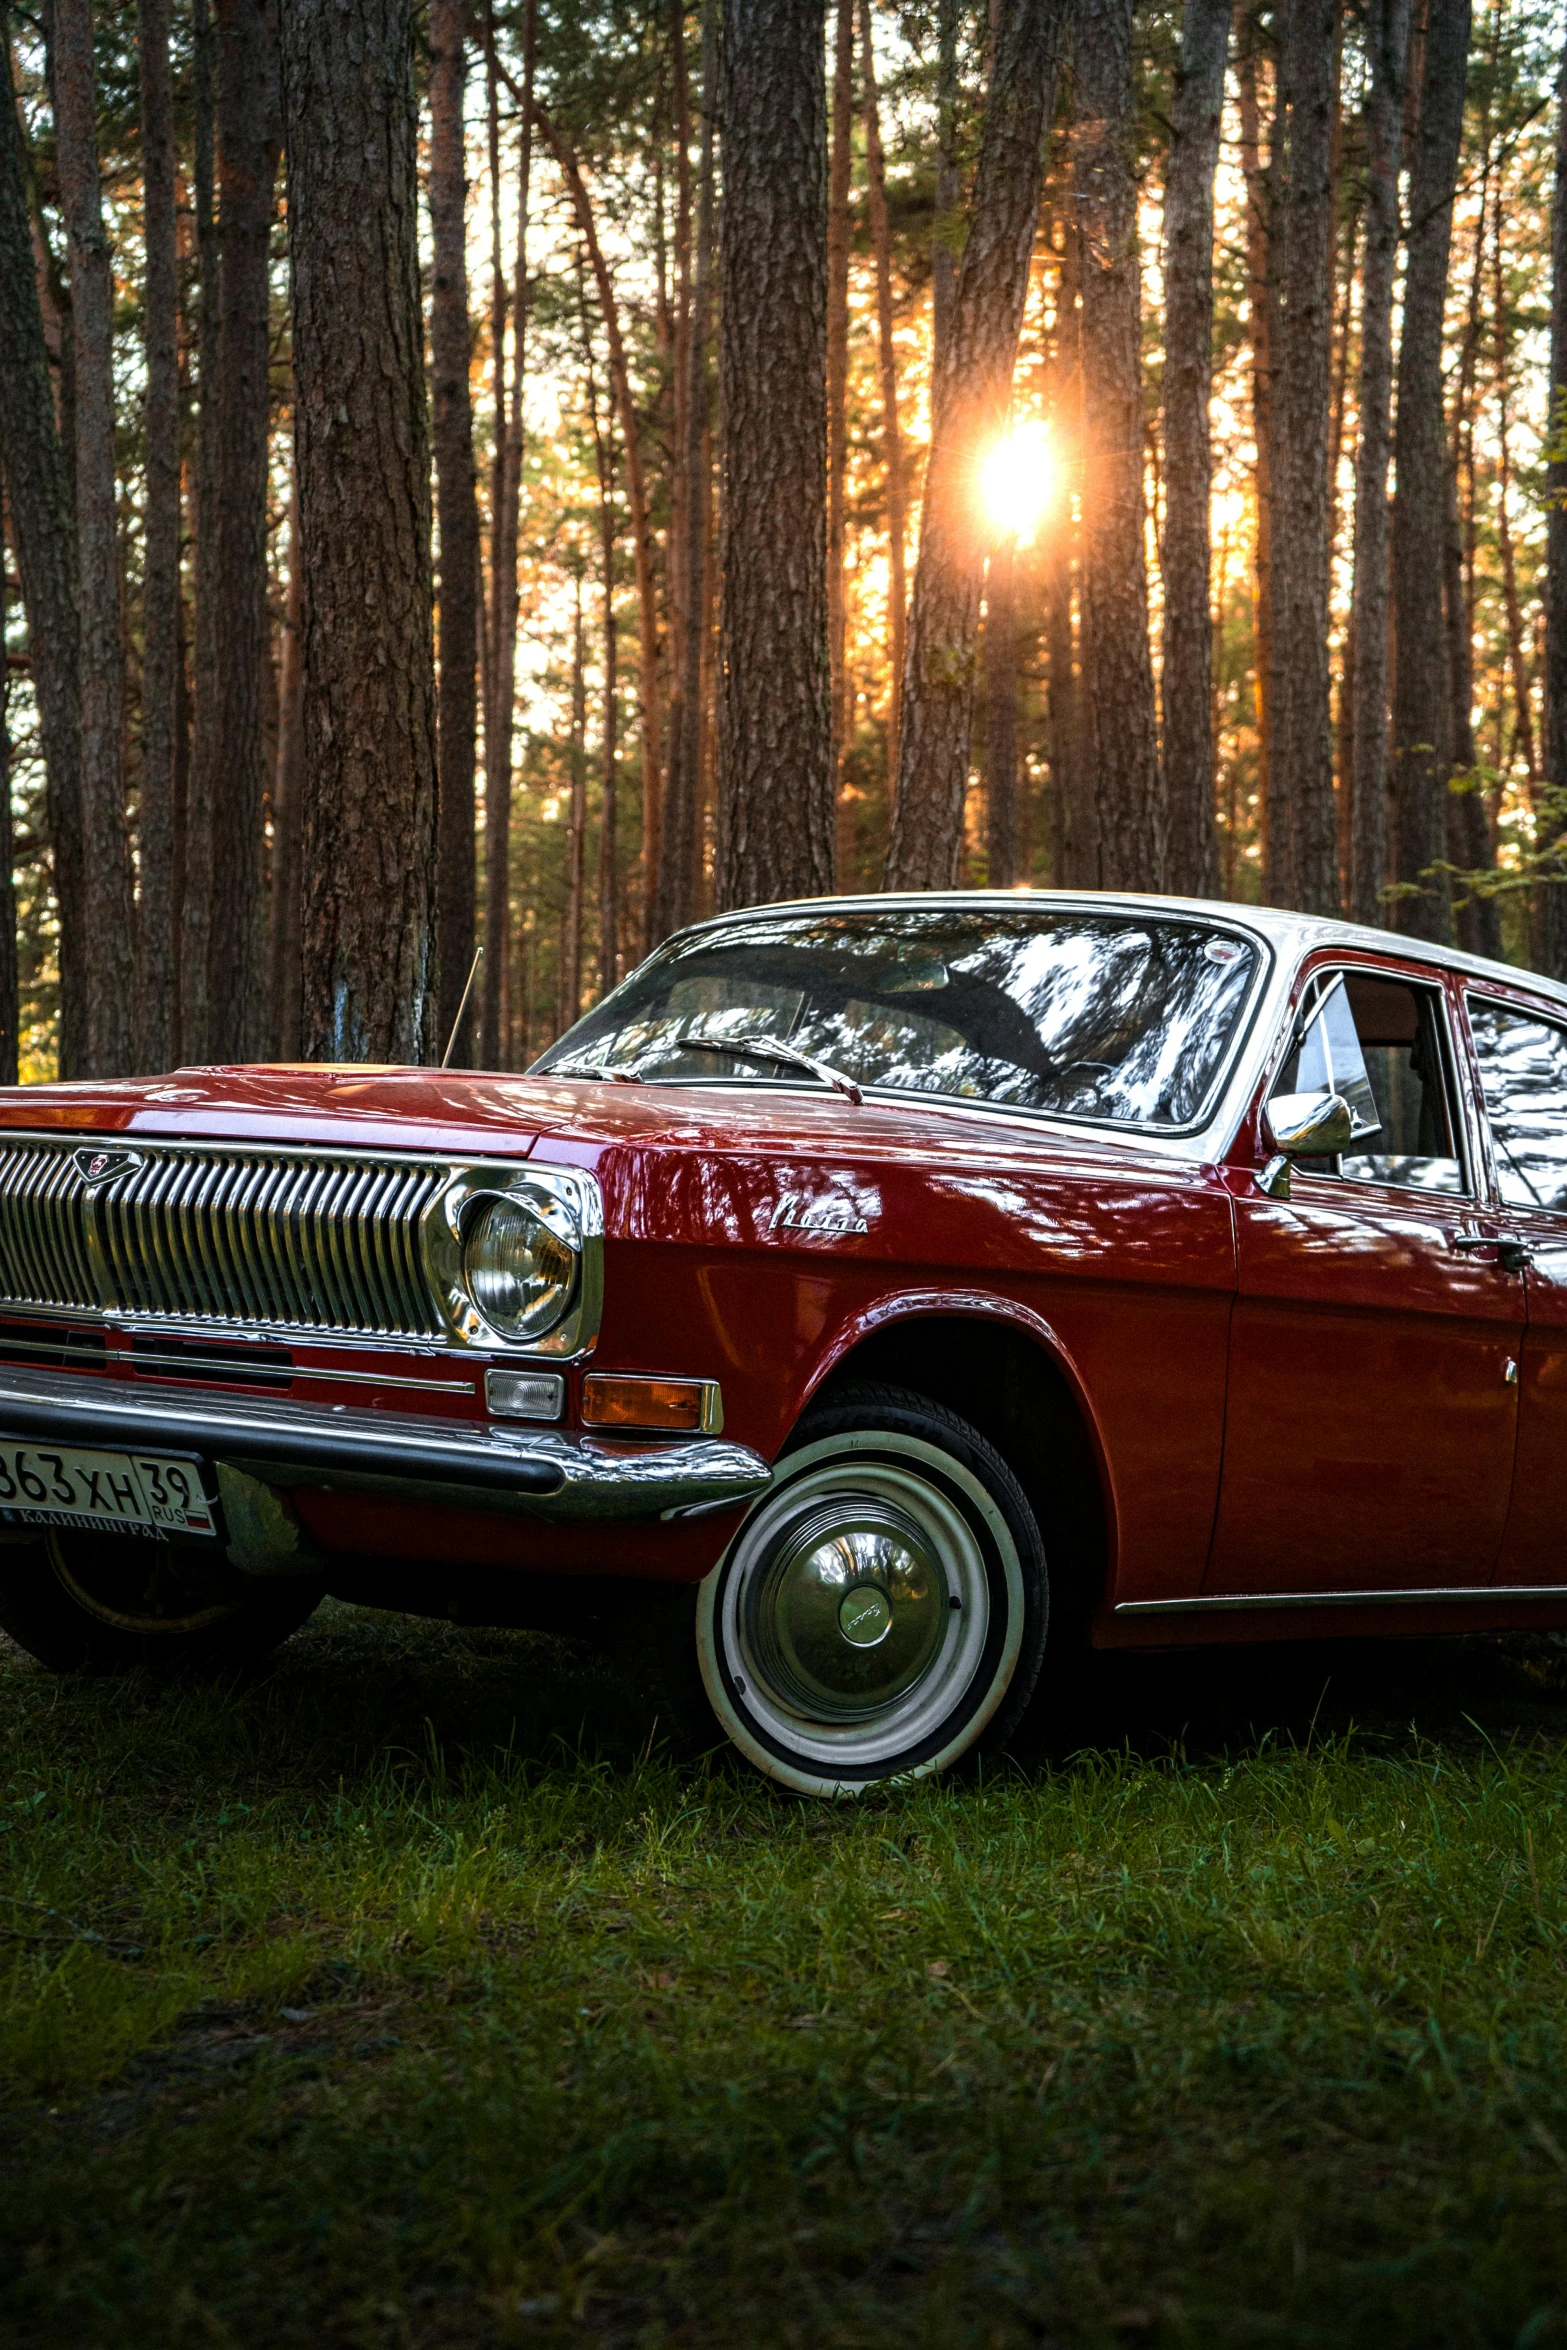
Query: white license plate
x,y
121,1492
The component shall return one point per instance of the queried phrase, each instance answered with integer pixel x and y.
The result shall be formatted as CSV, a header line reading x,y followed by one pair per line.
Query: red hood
x,y
463,1111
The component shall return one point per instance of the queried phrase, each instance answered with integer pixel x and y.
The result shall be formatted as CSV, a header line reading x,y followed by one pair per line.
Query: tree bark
x,y
106,897
608,860
1469,825
1074,832
1003,847
10,994
1120,728
1192,864
1551,926
196,890
675,836
249,139
493,1044
1302,839
685,747
156,1003
364,508
458,513
891,442
970,400
1419,700
947,235
1261,308
838,363
570,994
288,809
1387,42
775,771
37,492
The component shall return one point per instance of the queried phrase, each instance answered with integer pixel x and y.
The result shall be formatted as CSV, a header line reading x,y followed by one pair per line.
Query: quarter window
x,y
1523,1078
1378,1041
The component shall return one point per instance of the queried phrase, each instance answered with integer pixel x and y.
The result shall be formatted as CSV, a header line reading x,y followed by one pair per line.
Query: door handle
x,y
1511,1255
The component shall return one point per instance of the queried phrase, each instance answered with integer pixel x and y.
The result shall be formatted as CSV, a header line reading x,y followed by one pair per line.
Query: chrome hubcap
x,y
847,1614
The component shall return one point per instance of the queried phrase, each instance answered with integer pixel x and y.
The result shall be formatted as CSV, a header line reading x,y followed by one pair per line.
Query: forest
x,y
505,480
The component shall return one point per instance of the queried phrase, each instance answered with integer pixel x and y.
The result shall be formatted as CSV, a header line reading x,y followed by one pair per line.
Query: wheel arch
x,y
1001,1370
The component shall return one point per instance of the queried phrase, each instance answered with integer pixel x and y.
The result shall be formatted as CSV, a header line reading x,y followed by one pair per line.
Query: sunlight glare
x,y
1018,480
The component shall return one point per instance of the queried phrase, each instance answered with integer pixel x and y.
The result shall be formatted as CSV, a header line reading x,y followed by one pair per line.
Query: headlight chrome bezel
x,y
565,1199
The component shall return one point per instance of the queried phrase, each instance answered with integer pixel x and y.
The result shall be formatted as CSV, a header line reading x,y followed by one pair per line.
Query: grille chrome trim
x,y
300,1240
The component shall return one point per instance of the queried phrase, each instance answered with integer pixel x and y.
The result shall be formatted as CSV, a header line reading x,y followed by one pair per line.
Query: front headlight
x,y
519,1270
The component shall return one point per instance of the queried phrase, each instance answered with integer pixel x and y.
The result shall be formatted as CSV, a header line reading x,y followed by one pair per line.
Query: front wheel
x,y
882,1611
91,1602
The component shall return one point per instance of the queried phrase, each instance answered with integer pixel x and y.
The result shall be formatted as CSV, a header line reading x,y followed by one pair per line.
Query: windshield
x,y
1127,1018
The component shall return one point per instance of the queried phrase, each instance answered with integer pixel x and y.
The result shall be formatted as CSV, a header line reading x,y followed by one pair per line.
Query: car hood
x,y
575,1121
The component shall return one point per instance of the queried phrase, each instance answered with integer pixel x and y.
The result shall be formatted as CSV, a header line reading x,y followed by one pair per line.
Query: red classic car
x,y
866,1288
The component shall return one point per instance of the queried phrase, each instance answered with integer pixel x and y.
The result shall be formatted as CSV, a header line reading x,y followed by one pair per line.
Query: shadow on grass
x,y
356,1688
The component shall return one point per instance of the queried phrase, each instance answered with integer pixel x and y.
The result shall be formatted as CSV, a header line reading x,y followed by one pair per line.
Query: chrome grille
x,y
213,1235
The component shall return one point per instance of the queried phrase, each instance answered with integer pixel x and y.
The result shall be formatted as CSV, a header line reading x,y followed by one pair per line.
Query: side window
x,y
1378,1041
1523,1077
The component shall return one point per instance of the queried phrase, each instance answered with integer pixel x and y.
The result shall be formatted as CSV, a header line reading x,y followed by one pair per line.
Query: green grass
x,y
410,1997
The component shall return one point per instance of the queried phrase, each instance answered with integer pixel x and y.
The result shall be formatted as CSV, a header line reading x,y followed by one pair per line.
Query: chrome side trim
x,y
535,1473
1229,1602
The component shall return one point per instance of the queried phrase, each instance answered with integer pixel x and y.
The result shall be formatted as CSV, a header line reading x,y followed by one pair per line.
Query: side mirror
x,y
1302,1126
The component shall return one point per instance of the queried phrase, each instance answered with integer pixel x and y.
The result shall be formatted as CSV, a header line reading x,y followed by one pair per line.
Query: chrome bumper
x,y
534,1473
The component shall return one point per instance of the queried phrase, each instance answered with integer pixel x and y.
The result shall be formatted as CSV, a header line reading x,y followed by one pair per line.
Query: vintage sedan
x,y
865,1291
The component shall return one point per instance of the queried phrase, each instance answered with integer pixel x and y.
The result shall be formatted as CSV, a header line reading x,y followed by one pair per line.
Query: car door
x,y
1520,1054
1371,1408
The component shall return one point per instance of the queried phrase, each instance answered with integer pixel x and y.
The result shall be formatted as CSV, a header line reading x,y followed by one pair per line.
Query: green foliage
x,y
408,1996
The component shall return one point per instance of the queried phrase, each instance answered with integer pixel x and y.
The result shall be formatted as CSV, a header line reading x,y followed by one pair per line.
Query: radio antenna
x,y
451,1041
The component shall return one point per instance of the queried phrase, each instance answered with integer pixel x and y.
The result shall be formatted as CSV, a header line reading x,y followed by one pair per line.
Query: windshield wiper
x,y
771,1048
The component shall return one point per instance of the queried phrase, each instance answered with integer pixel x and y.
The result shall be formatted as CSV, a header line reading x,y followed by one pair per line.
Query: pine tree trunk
x,y
1000,646
947,236
249,139
577,824
1302,851
1551,927
1261,308
1469,826
364,509
675,838
838,362
1192,864
1120,729
891,442
10,1003
775,772
608,861
1420,687
1075,836
196,891
106,896
288,811
37,492
970,401
157,1005
458,514
685,744
1387,41
501,684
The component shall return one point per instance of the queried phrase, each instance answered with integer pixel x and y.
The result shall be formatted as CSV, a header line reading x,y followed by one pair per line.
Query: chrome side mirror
x,y
1302,1126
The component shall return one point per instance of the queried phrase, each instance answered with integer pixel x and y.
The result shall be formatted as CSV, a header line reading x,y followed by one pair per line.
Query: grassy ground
x,y
405,1998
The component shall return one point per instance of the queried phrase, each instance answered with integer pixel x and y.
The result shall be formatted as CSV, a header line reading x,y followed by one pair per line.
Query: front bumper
x,y
533,1473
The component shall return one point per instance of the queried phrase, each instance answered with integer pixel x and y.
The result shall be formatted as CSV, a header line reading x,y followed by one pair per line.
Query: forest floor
x,y
408,1996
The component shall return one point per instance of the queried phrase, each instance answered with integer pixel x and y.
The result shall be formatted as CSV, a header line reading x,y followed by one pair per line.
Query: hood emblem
x,y
99,1166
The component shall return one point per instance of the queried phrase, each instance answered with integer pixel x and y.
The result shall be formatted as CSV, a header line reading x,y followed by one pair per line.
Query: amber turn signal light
x,y
610,1400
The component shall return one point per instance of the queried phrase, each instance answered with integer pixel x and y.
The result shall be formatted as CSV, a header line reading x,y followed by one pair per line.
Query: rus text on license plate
x,y
126,1492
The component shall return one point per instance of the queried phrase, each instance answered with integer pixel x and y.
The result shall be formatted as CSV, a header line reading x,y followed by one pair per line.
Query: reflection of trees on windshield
x,y
1090,1016
1523,1074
